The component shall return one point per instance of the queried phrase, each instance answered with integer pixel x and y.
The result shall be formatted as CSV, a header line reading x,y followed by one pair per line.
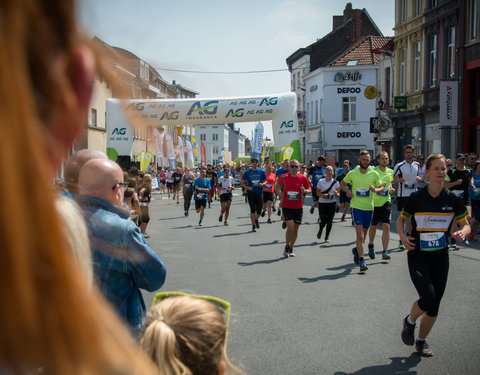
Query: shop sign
x,y
400,102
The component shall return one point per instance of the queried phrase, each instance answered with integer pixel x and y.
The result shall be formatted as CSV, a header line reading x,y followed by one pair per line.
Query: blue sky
x,y
226,36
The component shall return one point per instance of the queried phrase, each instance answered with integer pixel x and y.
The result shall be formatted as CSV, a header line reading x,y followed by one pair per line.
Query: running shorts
x,y
267,196
200,203
256,202
382,214
294,214
362,217
343,197
225,197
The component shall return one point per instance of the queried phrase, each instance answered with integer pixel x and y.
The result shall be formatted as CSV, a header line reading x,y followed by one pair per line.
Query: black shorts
x,y
256,202
169,185
343,197
401,203
225,197
382,214
200,203
294,214
267,196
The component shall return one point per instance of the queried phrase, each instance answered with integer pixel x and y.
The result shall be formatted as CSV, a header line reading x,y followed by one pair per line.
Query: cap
x,y
460,156
133,171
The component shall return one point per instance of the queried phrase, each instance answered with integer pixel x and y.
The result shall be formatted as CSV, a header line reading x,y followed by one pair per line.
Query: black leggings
x,y
429,273
187,198
256,202
326,212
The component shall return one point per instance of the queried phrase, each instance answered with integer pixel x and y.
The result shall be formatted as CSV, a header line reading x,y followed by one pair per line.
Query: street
x,y
315,313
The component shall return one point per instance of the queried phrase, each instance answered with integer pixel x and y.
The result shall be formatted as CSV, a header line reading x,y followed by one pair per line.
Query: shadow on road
x,y
170,218
228,234
185,227
399,365
265,261
274,242
327,246
337,276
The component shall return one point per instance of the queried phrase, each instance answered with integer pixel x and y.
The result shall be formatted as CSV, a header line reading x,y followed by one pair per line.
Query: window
x,y
203,137
307,120
387,86
433,3
352,62
402,71
311,114
94,117
320,110
432,60
316,111
215,149
473,20
293,81
299,84
349,109
403,10
144,68
451,53
418,7
416,67
215,137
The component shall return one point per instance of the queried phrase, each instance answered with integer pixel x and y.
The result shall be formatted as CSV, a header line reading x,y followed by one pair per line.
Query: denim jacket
x,y
123,261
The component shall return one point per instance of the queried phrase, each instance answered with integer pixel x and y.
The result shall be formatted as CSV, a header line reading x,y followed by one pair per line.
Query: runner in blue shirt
x,y
316,173
202,188
253,180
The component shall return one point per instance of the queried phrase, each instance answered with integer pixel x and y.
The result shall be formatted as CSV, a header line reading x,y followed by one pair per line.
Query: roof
x,y
362,51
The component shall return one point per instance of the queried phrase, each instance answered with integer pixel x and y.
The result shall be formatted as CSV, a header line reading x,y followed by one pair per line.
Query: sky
x,y
221,36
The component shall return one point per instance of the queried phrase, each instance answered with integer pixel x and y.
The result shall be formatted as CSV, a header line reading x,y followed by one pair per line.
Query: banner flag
x,y
158,145
257,141
170,151
145,158
203,154
222,156
181,150
190,157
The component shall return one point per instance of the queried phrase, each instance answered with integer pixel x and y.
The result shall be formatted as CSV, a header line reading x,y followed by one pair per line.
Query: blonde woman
x,y
185,335
49,316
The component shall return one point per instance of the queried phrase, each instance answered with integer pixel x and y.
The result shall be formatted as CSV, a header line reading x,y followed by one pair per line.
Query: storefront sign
x,y
449,103
400,102
349,134
349,90
347,76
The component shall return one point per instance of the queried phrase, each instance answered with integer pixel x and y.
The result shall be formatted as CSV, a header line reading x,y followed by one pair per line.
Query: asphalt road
x,y
315,313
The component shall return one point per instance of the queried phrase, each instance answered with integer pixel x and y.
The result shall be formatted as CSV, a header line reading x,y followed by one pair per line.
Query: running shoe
x,y
274,209
225,223
385,255
312,210
423,349
319,234
466,242
200,223
284,225
343,218
253,228
279,212
263,214
408,332
356,259
327,240
453,244
186,213
178,202
269,221
401,246
146,235
291,253
220,218
257,224
371,251
472,237
363,266
286,251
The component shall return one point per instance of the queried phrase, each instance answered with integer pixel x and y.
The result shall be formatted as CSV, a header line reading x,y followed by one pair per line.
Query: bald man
x,y
123,261
75,163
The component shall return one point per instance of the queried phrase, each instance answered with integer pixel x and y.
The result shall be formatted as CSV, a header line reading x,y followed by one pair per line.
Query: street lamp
x,y
380,104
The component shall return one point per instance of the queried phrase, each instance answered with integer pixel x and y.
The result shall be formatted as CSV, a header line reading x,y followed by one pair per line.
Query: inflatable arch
x,y
280,109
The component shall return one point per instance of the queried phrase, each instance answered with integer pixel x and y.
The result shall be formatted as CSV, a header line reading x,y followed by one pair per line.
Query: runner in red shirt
x,y
295,186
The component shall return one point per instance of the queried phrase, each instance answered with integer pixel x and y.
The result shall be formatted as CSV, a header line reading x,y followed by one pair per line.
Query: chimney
x,y
337,22
347,13
357,24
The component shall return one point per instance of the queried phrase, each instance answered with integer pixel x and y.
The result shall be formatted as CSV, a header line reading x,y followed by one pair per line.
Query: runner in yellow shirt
x,y
365,181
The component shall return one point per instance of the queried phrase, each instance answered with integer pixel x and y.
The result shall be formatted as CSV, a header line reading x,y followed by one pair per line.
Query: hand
x,y
419,179
408,242
372,188
392,190
401,179
459,235
349,194
459,181
302,189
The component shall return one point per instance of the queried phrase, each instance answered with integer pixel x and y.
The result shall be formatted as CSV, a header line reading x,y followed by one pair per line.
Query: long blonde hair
x,y
186,335
48,315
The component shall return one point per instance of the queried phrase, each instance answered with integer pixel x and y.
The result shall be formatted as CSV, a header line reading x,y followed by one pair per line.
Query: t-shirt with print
x,y
362,196
292,190
254,179
324,185
203,184
270,185
225,182
379,199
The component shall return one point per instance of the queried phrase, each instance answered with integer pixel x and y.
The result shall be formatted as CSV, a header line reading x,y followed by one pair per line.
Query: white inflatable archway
x,y
280,109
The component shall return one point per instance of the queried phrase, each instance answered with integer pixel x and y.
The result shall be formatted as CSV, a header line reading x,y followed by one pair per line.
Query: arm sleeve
x,y
461,212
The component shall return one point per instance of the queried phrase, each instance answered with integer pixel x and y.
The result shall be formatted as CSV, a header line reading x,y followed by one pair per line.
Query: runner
x,y
364,181
253,181
406,174
327,190
343,201
202,187
316,173
177,180
169,181
212,176
279,172
225,186
382,207
268,193
188,181
291,187
427,255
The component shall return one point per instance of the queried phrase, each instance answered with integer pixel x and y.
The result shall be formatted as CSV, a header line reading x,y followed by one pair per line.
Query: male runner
x,y
406,174
253,180
382,206
316,173
291,187
212,176
225,185
364,181
202,187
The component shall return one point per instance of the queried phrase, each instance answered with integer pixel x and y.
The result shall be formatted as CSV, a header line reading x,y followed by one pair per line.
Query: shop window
x,y
349,109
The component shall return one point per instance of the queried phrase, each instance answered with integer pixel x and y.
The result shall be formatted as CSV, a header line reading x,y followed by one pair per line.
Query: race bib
x,y
409,186
476,192
255,182
187,186
329,196
458,193
227,190
268,187
432,241
362,192
292,195
384,193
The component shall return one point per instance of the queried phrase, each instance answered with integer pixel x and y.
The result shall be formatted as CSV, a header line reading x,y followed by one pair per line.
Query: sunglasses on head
x,y
222,305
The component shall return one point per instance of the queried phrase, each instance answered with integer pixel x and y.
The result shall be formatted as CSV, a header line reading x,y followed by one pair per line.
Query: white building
x,y
214,137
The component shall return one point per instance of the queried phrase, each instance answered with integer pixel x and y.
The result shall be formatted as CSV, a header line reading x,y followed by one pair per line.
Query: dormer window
x,y
352,62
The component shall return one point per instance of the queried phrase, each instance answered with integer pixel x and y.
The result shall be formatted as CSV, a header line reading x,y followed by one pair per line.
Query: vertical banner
x,y
170,151
181,150
223,159
190,157
203,154
179,129
145,158
158,145
257,141
195,151
449,103
263,151
229,157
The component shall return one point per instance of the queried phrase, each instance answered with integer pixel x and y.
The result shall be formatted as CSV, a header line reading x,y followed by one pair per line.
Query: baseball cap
x,y
460,156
